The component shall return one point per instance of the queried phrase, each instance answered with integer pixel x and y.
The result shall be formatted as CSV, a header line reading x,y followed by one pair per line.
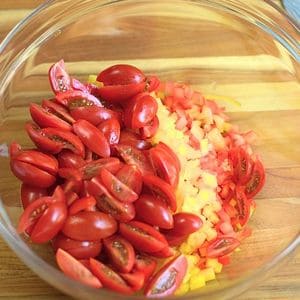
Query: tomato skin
x,y
164,253
117,188
14,149
92,137
130,138
184,224
120,252
111,129
243,205
161,188
221,246
94,114
30,193
168,278
83,204
109,278
145,264
164,165
257,179
50,223
59,79
58,110
68,159
121,74
75,269
143,236
150,129
78,249
96,224
135,279
132,177
45,119
170,152
153,211
174,240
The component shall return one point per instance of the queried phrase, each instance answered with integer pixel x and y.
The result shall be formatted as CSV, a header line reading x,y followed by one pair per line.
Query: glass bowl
x,y
232,50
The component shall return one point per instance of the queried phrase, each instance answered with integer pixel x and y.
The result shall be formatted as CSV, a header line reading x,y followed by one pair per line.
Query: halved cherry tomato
x,y
71,197
111,130
120,252
46,119
135,279
168,278
143,236
89,226
70,174
122,212
121,74
72,186
74,99
135,157
50,223
109,278
153,211
131,176
82,204
145,264
75,269
58,110
164,253
94,114
78,249
140,111
171,153
68,159
150,129
30,193
164,165
130,138
59,79
92,137
54,140
242,205
161,188
117,188
184,224
93,168
257,179
174,240
221,246
152,83
14,149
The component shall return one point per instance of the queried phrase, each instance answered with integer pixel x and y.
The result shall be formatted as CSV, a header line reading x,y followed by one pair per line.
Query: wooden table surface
x,y
18,282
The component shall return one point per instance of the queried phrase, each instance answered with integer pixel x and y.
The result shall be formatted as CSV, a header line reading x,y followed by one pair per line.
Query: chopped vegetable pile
x,y
139,185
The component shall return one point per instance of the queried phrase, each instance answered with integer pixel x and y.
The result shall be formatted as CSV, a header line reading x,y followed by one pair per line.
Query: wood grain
x,y
19,282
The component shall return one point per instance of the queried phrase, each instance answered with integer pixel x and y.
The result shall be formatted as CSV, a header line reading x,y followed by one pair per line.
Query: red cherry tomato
x,y
145,264
71,197
94,114
122,212
143,236
161,188
135,279
78,249
150,129
54,140
140,111
168,278
130,138
170,152
152,83
109,278
93,168
121,74
164,253
60,111
71,174
30,193
111,130
14,149
117,188
184,224
89,226
83,204
59,79
153,211
132,177
46,119
75,269
120,252
174,240
50,223
257,179
92,137
221,246
164,165
136,157
243,205
68,159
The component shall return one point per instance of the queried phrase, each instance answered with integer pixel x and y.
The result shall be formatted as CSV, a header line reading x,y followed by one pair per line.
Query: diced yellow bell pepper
x,y
214,263
208,273
183,289
197,282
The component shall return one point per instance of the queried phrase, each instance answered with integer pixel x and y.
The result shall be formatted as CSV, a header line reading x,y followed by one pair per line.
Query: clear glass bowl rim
x,y
53,276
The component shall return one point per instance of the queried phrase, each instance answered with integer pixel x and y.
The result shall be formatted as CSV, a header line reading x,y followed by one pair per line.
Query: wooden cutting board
x,y
19,282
